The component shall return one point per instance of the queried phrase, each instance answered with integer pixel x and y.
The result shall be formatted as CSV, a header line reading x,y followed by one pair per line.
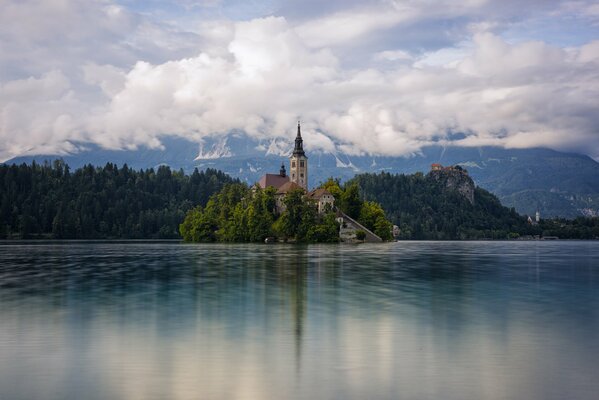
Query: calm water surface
x,y
409,320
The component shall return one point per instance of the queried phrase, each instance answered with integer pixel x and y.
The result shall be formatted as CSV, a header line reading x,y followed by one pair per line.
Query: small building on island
x,y
323,199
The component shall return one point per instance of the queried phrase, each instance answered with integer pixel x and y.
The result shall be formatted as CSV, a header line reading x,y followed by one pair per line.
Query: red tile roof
x,y
287,187
318,193
274,180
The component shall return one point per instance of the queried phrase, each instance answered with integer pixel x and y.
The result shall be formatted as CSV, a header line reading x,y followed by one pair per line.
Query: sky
x,y
377,77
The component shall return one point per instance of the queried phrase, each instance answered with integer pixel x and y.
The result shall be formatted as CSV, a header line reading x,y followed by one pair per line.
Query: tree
x,y
333,186
350,201
49,200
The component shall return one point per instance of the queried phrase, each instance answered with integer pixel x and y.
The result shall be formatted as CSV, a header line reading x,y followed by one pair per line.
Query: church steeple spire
x,y
298,162
299,142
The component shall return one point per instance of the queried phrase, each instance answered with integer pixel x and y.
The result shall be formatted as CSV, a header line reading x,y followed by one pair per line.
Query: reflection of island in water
x,y
427,320
292,276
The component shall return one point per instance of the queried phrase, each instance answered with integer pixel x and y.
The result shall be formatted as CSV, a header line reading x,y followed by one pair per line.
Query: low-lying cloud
x,y
260,76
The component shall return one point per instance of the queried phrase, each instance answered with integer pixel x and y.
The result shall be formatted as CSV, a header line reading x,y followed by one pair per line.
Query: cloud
x,y
393,55
261,75
37,36
38,115
529,94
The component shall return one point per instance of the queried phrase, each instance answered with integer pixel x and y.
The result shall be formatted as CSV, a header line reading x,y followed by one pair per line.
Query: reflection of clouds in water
x,y
305,322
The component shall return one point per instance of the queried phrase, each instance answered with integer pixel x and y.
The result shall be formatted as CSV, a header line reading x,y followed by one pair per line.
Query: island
x,y
279,207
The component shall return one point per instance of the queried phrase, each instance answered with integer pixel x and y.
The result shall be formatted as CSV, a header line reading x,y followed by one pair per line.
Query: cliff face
x,y
457,180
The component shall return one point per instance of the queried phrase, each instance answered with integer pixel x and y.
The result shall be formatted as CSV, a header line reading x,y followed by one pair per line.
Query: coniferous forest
x,y
425,210
111,202
51,201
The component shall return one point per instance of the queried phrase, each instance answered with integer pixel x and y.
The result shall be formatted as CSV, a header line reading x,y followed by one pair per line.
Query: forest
x,y
426,210
51,201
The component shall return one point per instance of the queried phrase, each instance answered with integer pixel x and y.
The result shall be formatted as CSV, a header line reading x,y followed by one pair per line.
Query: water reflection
x,y
406,320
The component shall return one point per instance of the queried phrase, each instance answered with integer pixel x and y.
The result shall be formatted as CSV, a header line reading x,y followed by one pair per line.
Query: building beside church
x,y
322,198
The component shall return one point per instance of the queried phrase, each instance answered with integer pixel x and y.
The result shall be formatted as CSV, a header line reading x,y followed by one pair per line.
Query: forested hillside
x,y
110,202
425,208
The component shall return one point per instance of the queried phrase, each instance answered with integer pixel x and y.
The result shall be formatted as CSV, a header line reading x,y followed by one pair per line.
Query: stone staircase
x,y
348,229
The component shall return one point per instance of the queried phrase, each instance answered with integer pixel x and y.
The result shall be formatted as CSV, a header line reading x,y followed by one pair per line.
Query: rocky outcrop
x,y
457,179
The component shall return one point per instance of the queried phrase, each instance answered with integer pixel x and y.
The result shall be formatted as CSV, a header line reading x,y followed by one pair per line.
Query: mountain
x,y
552,182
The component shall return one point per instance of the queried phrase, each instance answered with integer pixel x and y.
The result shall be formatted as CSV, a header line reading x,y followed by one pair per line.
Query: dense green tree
x,y
424,208
325,231
252,217
370,213
51,201
333,186
351,203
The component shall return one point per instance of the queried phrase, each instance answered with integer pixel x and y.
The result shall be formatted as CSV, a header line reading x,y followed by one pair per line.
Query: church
x,y
296,179
321,198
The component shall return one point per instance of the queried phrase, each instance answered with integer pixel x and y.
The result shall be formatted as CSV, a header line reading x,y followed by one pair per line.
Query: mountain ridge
x,y
552,182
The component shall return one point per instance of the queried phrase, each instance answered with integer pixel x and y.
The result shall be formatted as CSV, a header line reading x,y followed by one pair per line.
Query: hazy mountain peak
x,y
215,151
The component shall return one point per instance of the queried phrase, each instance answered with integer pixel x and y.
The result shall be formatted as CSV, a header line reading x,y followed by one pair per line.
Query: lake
x,y
406,320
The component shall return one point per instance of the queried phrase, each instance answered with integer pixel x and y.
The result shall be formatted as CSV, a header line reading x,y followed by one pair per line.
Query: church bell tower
x,y
298,162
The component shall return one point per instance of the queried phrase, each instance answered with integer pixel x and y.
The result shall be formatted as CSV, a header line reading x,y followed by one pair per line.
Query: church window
x,y
302,164
292,164
301,175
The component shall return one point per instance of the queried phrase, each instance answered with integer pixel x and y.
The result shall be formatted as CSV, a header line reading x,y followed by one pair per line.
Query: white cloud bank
x,y
264,74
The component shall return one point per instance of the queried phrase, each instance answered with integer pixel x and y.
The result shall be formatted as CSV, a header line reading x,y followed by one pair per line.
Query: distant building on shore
x,y
439,167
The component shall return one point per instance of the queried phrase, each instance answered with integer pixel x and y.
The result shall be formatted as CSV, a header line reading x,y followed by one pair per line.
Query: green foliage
x,y
351,203
424,209
360,235
383,228
368,213
250,216
51,201
578,228
333,186
325,231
